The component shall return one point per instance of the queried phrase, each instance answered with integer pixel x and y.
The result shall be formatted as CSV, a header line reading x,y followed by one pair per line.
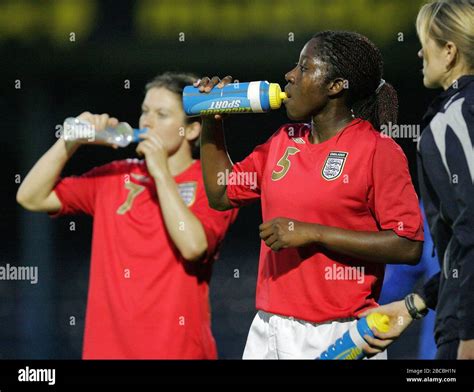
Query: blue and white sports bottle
x,y
250,97
349,346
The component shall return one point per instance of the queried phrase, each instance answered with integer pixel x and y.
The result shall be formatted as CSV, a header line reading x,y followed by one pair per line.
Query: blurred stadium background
x,y
62,57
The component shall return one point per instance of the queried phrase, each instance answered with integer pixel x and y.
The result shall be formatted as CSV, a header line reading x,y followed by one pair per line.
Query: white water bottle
x,y
75,129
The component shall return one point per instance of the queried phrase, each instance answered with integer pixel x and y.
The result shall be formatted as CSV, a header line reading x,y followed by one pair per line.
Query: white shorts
x,y
272,336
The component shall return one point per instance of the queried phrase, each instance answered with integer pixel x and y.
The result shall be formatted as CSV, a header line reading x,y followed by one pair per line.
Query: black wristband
x,y
412,310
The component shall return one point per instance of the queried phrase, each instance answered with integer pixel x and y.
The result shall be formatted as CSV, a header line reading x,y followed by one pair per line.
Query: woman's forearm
x,y
183,226
35,190
384,247
378,247
214,160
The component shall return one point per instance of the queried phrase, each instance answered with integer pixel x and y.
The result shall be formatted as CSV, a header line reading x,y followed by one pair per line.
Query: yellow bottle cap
x,y
379,321
275,95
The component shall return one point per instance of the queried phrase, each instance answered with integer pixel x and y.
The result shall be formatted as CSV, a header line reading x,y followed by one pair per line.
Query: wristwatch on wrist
x,y
414,312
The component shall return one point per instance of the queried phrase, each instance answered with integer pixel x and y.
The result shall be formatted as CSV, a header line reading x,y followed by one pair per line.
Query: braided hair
x,y
357,60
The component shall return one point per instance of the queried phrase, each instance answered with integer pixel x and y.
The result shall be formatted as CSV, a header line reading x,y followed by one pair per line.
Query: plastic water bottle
x,y
349,346
75,129
250,97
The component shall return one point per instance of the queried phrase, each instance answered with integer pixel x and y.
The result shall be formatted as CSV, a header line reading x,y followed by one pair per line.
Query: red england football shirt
x,y
145,301
357,180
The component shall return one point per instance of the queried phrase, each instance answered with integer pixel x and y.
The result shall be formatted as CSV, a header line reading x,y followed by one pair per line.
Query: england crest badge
x,y
334,165
187,191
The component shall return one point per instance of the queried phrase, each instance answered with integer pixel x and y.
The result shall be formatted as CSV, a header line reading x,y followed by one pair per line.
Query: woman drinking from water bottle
x,y
154,240
337,198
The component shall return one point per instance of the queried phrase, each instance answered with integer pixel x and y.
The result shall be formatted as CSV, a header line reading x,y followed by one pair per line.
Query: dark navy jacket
x,y
446,175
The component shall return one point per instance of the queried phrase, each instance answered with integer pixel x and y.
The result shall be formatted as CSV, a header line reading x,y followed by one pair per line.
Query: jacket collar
x,y
435,106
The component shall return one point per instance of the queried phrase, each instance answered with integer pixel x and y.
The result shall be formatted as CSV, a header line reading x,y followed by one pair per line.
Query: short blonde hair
x,y
449,20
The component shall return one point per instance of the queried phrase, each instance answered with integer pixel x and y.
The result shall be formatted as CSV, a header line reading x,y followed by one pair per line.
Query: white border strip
x,y
253,95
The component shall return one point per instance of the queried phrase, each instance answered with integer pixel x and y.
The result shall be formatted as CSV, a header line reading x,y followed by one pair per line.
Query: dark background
x,y
116,41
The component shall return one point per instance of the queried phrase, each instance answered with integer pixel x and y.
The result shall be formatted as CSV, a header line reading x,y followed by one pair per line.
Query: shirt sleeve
x,y
461,165
391,193
429,291
245,180
215,223
78,193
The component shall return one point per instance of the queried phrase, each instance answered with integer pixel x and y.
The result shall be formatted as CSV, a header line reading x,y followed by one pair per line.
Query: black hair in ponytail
x,y
355,58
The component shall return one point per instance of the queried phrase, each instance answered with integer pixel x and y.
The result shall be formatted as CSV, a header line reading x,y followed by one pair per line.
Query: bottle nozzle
x,y
379,321
137,132
276,95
